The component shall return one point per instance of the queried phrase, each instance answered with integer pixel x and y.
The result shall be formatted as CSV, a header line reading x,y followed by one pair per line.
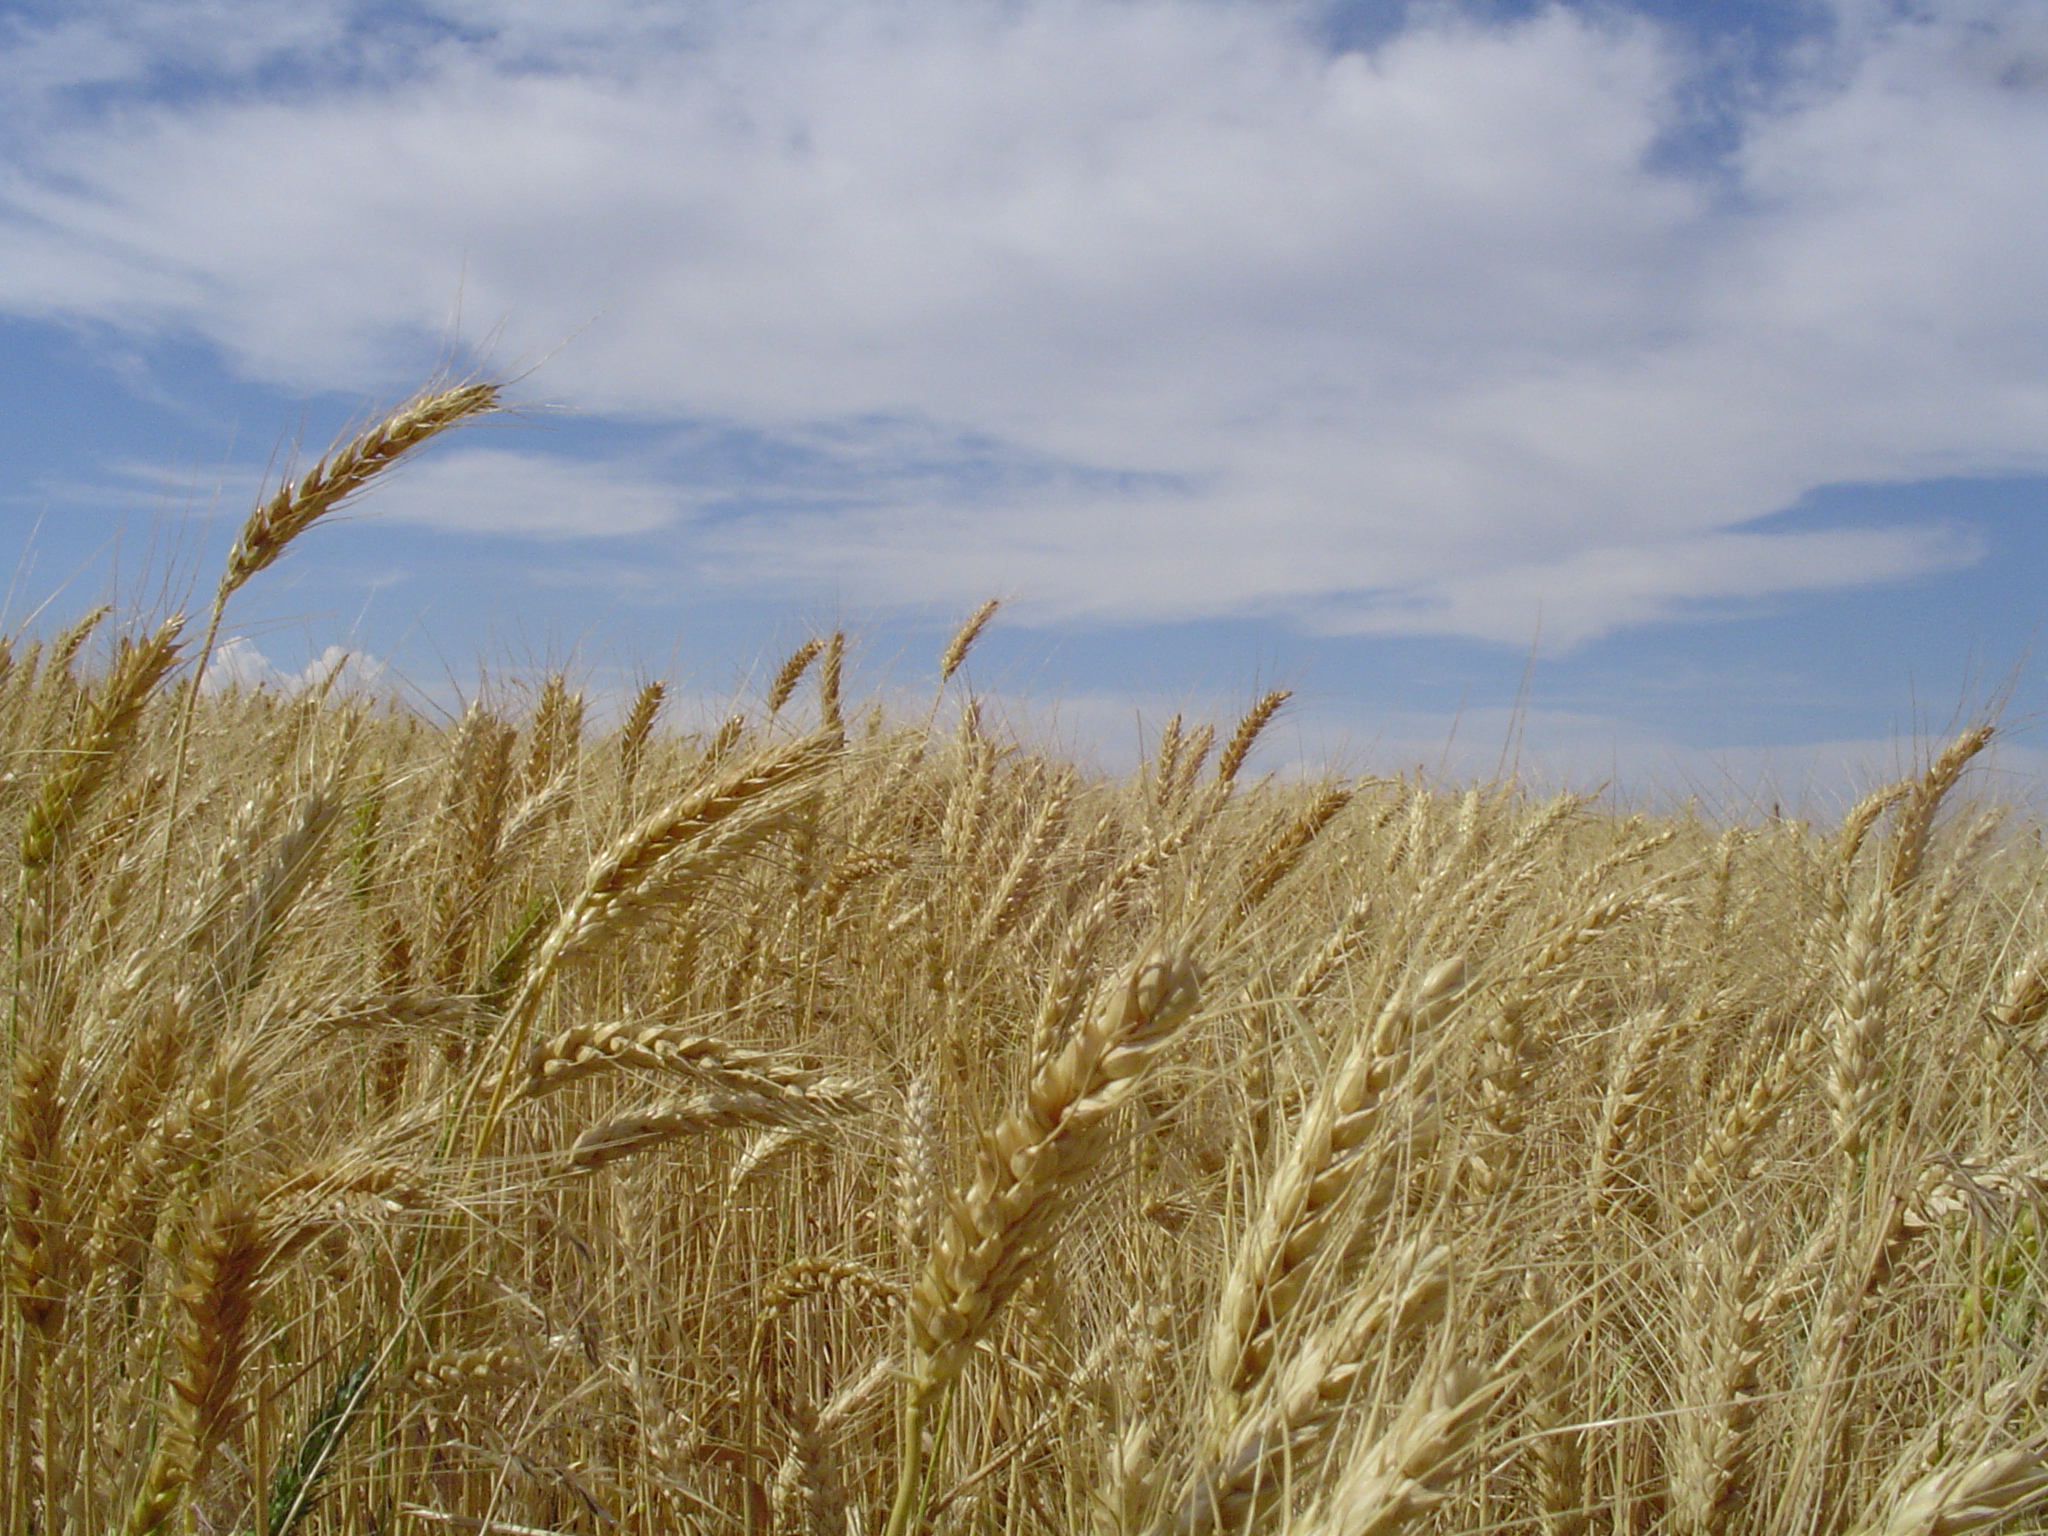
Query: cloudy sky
x,y
1659,391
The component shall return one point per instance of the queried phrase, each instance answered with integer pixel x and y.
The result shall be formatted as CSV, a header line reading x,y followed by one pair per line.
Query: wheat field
x,y
854,1126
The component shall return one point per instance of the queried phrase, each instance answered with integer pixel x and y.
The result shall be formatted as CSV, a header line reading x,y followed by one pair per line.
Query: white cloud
x,y
1408,340
495,490
240,663
1595,590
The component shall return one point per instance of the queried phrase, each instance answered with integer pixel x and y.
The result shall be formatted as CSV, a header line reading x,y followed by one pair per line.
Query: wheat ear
x,y
1722,1353
1862,1002
917,1165
217,1304
1247,734
1408,1470
831,685
41,1253
108,728
634,735
65,648
791,672
964,638
1276,855
1332,1150
1967,1497
1029,1170
1631,1086
1246,1469
587,1050
656,862
300,503
1031,1163
725,1108
554,737
40,1248
1916,821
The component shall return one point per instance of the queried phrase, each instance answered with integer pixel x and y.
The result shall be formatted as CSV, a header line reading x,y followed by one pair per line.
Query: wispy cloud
x,y
1431,338
495,490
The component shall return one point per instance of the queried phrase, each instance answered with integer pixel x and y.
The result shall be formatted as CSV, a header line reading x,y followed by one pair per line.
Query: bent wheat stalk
x,y
298,504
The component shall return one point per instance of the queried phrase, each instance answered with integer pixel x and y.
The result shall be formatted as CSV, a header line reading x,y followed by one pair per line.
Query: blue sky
x,y
1653,392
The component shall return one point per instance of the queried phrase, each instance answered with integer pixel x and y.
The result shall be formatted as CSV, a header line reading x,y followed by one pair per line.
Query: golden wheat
x,y
493,1126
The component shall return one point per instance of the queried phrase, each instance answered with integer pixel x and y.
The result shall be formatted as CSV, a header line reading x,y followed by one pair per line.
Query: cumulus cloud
x,y
1431,337
240,663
